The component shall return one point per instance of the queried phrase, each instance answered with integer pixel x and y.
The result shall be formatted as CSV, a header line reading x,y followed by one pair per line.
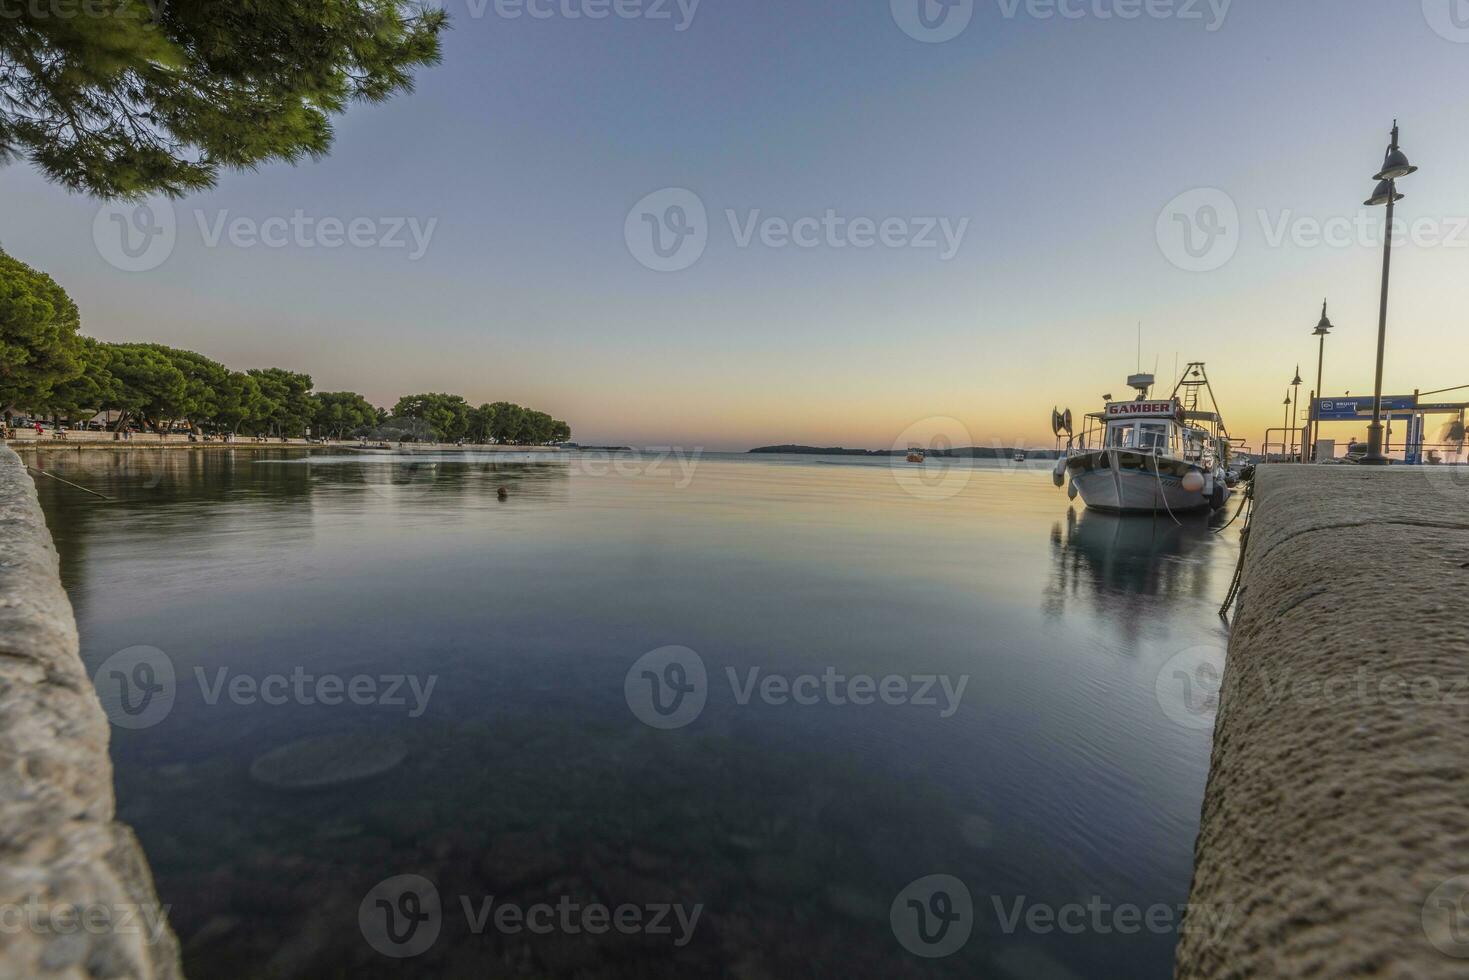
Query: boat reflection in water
x,y
1133,570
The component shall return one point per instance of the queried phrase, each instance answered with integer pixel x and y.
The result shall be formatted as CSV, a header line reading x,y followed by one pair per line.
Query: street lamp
x,y
1322,329
1295,412
1394,167
1285,454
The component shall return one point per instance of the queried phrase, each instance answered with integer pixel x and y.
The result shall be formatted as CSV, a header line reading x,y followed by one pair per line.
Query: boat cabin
x,y
1149,426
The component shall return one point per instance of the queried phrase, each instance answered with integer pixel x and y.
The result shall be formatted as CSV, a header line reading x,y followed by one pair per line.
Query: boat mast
x,y
1193,378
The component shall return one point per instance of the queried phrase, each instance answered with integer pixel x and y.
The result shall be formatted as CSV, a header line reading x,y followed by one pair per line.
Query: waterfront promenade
x,y
1335,826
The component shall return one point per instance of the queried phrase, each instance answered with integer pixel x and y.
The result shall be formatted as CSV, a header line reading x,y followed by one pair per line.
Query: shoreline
x,y
145,444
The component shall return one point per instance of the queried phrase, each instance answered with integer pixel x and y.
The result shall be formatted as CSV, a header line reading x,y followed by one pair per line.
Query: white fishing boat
x,y
1019,455
1150,455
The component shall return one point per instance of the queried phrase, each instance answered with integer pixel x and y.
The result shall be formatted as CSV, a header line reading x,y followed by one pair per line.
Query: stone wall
x,y
1335,828
76,896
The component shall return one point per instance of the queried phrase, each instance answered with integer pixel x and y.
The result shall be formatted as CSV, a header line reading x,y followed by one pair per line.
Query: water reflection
x,y
1127,568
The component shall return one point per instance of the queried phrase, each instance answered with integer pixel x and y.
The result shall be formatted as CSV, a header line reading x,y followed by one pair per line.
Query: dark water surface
x,y
1057,778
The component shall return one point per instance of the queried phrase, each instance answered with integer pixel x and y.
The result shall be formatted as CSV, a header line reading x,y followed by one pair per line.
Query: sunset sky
x,y
1059,145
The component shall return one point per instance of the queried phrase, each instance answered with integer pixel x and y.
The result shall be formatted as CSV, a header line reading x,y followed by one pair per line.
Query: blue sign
x,y
1360,406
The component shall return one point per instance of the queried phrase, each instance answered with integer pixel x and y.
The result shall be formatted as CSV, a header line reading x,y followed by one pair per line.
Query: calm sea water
x,y
1055,784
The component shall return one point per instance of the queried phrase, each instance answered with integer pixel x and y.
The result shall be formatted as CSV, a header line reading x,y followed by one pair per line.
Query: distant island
x,y
973,452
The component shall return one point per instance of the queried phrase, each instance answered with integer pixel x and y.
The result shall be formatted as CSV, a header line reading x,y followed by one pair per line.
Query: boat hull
x,y
1124,482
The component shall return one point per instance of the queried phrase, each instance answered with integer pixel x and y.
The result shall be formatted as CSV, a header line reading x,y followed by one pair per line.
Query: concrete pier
x,y
1335,828
76,896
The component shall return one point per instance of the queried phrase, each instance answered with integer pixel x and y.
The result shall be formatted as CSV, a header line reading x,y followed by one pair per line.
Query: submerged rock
x,y
328,760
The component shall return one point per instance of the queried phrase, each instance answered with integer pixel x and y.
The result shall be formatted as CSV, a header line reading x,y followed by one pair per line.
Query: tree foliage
x,y
286,403
446,415
39,344
452,419
122,98
48,369
341,412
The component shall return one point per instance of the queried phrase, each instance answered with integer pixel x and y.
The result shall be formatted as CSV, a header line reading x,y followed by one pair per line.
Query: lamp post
x,y
1285,453
1322,329
1394,167
1294,416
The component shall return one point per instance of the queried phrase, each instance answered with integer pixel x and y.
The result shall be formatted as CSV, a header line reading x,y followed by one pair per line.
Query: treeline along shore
x,y
50,371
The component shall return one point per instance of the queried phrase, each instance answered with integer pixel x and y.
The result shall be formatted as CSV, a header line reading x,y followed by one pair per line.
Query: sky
x,y
726,224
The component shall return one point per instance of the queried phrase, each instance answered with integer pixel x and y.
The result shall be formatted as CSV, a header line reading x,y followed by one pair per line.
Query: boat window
x,y
1120,436
1152,436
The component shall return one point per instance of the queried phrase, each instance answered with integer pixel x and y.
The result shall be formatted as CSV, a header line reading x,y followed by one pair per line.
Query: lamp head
x,y
1395,165
1384,193
1324,327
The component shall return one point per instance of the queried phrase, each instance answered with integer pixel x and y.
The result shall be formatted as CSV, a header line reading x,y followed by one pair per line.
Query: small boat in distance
x,y
1019,455
1149,455
915,456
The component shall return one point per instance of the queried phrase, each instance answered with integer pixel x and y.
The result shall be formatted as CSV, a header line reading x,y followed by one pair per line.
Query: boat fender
x,y
1216,499
1193,481
1071,491
1058,474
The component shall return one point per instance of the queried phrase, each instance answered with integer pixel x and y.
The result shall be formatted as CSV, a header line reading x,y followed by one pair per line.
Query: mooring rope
x,y
1244,543
70,484
1244,499
1159,477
